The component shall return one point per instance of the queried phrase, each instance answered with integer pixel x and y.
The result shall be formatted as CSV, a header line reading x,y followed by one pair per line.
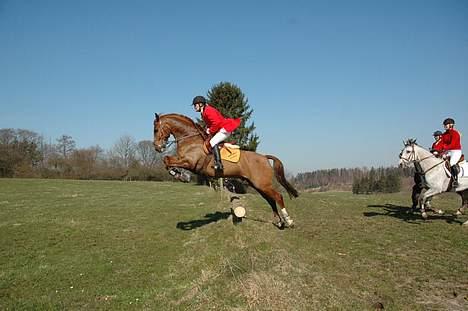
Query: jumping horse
x,y
253,167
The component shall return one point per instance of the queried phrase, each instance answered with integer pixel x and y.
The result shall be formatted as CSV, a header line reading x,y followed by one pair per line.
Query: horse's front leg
x,y
172,163
425,200
464,196
461,210
176,162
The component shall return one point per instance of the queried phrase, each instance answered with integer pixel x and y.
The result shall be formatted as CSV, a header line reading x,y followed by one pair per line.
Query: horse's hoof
x,y
424,215
289,223
280,225
458,213
440,212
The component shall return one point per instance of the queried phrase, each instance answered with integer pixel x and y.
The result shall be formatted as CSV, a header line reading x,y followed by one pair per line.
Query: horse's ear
x,y
156,116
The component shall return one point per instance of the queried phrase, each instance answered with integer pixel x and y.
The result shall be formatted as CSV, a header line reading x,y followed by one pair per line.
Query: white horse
x,y
437,177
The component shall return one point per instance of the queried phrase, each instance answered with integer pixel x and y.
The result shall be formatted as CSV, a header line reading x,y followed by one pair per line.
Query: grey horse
x,y
436,175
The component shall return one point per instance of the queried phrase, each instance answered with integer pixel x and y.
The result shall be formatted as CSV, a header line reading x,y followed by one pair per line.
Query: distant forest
x,y
24,153
359,180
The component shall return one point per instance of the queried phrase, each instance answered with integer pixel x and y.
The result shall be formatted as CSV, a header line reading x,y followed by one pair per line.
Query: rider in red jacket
x,y
217,126
451,140
438,145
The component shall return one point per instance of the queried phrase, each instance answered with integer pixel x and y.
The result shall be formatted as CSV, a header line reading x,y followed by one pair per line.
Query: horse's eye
x,y
407,151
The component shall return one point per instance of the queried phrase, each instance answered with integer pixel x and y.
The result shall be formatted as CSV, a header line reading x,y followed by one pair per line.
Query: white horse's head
x,y
408,153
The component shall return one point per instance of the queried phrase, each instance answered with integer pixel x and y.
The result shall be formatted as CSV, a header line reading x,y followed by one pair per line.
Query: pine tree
x,y
232,103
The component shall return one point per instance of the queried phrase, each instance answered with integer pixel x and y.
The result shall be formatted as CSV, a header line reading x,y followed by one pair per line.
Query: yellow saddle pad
x,y
230,153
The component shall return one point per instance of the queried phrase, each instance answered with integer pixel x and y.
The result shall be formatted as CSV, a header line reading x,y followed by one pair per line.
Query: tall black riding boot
x,y
454,171
218,166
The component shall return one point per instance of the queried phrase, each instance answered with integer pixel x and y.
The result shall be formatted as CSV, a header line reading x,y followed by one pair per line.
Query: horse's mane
x,y
409,142
412,142
197,126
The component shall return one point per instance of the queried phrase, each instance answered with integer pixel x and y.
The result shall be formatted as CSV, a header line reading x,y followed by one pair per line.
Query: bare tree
x,y
124,151
146,153
65,145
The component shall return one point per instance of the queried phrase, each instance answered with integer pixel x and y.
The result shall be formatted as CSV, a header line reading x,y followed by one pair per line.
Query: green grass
x,y
95,245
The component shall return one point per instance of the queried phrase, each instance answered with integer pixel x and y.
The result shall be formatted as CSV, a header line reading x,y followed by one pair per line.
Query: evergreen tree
x,y
232,103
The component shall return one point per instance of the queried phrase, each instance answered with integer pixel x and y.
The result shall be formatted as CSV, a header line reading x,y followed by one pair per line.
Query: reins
x,y
170,142
413,155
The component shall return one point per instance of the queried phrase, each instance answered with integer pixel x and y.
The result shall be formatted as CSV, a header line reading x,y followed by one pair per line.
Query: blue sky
x,y
332,83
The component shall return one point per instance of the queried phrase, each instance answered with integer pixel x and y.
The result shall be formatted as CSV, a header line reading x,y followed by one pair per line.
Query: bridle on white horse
x,y
412,158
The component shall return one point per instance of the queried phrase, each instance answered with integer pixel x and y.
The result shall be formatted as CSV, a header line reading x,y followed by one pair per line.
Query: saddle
x,y
228,152
447,162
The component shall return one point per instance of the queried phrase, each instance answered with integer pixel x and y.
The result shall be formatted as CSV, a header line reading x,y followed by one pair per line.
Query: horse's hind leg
x,y
276,197
278,222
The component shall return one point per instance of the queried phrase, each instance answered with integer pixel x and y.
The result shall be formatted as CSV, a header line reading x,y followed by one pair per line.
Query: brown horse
x,y
253,167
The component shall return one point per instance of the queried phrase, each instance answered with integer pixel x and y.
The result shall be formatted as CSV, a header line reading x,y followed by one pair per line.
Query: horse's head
x,y
161,134
408,154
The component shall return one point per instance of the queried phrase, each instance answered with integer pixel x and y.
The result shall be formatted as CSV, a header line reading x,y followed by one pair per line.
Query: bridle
x,y
167,143
412,159
177,140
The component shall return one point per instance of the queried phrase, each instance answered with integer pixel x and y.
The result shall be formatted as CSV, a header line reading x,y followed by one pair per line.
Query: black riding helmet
x,y
199,100
449,121
437,133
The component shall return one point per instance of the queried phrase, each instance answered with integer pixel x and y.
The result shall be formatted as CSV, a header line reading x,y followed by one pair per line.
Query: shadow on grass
x,y
406,214
211,218
197,223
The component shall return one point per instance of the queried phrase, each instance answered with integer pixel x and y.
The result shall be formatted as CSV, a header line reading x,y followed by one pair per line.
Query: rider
x,y
217,127
437,146
451,141
437,149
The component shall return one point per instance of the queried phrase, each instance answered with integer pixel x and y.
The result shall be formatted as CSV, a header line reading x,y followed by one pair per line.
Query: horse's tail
x,y
279,173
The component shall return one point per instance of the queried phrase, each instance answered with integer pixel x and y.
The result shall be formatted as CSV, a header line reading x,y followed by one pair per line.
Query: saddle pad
x,y
230,154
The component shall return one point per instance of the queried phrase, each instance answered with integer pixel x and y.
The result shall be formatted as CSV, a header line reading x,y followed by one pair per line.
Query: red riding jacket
x,y
451,139
438,146
215,120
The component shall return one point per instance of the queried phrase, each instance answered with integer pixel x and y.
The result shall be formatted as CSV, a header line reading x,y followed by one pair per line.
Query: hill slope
x,y
124,245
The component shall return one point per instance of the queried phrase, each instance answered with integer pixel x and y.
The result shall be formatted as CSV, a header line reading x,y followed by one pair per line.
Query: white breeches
x,y
219,137
455,156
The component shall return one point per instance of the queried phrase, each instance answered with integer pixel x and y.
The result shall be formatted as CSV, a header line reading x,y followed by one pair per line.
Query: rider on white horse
x,y
451,140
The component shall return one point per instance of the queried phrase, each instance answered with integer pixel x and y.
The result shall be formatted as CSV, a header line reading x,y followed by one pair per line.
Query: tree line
x,y
24,153
359,180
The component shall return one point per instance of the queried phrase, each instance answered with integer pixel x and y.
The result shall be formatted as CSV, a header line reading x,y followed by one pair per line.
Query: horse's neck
x,y
183,129
425,158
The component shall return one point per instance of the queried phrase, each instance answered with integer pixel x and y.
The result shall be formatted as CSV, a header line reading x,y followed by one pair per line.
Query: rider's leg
x,y
455,156
217,138
454,170
218,165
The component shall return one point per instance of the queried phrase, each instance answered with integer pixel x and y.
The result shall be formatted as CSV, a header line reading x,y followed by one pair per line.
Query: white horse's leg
x,y
429,206
425,198
461,210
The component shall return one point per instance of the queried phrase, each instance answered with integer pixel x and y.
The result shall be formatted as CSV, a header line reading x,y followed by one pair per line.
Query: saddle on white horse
x,y
462,165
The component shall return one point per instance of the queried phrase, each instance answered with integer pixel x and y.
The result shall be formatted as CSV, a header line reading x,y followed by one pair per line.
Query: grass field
x,y
95,245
